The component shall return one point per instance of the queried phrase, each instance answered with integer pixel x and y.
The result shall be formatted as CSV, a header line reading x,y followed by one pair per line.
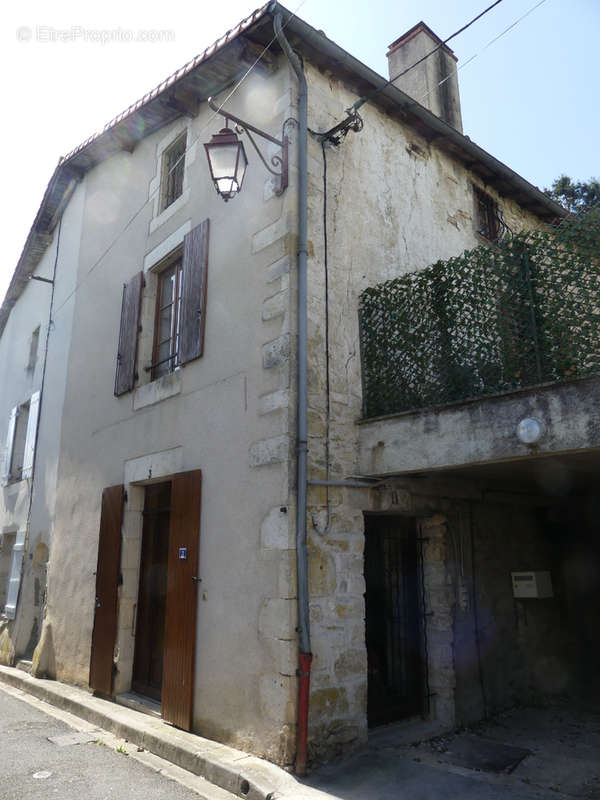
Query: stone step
x,y
24,665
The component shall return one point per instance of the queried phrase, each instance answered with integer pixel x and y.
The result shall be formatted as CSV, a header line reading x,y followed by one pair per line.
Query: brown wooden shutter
x,y
193,301
180,625
107,582
128,334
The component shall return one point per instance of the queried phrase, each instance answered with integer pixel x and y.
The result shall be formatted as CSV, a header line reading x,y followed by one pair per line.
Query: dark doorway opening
x,y
152,592
393,619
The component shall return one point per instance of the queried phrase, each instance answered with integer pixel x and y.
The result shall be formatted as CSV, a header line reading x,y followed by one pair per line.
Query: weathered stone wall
x,y
395,203
485,651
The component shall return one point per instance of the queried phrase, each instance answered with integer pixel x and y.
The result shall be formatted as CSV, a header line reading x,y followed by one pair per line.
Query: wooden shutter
x,y
180,625
10,440
193,301
31,435
107,582
128,334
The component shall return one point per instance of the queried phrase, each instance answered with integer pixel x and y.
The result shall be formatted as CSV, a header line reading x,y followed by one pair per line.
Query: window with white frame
x,y
20,441
7,541
18,450
167,319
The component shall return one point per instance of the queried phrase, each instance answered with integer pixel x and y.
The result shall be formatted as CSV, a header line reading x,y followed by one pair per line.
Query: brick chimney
x,y
422,82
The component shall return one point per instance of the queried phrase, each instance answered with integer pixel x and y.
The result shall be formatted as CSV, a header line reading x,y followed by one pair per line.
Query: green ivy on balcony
x,y
496,319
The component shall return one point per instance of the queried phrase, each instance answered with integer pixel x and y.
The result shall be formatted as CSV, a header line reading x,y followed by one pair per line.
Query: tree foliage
x,y
575,196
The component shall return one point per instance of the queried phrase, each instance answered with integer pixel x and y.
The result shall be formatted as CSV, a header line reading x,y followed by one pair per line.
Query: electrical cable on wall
x,y
327,527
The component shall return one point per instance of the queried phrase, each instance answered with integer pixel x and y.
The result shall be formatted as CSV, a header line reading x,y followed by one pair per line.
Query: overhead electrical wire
x,y
323,138
356,105
483,49
370,96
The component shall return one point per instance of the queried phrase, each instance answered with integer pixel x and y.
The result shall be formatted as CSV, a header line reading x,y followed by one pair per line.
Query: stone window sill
x,y
155,391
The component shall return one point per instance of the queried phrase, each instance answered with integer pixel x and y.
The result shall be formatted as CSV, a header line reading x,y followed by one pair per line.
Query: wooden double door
x,y
165,629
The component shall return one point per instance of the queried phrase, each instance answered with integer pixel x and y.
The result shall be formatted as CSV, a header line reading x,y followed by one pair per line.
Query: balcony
x,y
496,320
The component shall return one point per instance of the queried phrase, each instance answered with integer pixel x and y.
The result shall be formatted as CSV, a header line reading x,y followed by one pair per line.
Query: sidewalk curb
x,y
233,770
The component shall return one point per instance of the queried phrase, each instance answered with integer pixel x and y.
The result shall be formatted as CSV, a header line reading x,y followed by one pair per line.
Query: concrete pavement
x,y
41,756
558,767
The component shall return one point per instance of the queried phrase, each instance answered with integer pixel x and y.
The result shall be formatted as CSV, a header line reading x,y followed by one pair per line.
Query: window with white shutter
x,y
30,436
20,441
14,577
10,440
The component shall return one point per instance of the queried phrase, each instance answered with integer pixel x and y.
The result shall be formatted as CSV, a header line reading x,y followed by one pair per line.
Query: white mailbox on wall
x,y
532,584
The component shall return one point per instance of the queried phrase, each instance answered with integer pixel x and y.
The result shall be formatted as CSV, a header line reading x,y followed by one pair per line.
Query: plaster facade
x,y
26,520
225,413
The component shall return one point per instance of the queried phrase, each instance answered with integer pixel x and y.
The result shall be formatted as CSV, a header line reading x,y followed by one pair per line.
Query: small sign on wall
x,y
532,584
183,553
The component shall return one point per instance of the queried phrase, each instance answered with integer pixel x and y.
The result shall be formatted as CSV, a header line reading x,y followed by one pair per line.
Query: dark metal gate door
x,y
107,582
182,583
393,620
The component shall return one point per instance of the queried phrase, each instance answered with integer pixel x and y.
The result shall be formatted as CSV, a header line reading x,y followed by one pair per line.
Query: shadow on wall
x,y
526,650
575,534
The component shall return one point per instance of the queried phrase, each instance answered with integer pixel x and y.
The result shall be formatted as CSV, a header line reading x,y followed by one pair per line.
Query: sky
x,y
530,98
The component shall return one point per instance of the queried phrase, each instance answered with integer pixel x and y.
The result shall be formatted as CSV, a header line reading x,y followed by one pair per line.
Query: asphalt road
x,y
32,768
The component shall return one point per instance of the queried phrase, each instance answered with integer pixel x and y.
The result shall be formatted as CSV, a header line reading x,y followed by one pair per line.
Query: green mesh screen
x,y
496,318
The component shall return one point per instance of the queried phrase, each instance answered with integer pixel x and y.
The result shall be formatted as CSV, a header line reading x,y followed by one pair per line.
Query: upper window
x,y
165,356
18,450
180,311
20,441
488,217
33,348
173,165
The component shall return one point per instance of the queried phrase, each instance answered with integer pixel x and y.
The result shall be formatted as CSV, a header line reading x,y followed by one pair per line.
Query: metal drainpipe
x,y
305,655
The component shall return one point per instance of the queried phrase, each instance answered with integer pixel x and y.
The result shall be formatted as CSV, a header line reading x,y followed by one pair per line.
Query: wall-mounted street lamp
x,y
227,160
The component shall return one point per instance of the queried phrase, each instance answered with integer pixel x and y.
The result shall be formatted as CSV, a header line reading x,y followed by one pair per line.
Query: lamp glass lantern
x,y
227,162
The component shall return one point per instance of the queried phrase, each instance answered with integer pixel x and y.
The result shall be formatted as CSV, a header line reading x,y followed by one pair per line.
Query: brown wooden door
x,y
152,593
180,626
107,582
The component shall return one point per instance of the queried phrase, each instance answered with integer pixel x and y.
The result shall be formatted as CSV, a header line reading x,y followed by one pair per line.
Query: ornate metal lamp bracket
x,y
279,162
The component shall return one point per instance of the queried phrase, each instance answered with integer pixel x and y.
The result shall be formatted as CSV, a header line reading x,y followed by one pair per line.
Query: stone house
x,y
177,511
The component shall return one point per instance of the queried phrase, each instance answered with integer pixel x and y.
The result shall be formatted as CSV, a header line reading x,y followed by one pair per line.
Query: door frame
x,y
128,591
422,622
